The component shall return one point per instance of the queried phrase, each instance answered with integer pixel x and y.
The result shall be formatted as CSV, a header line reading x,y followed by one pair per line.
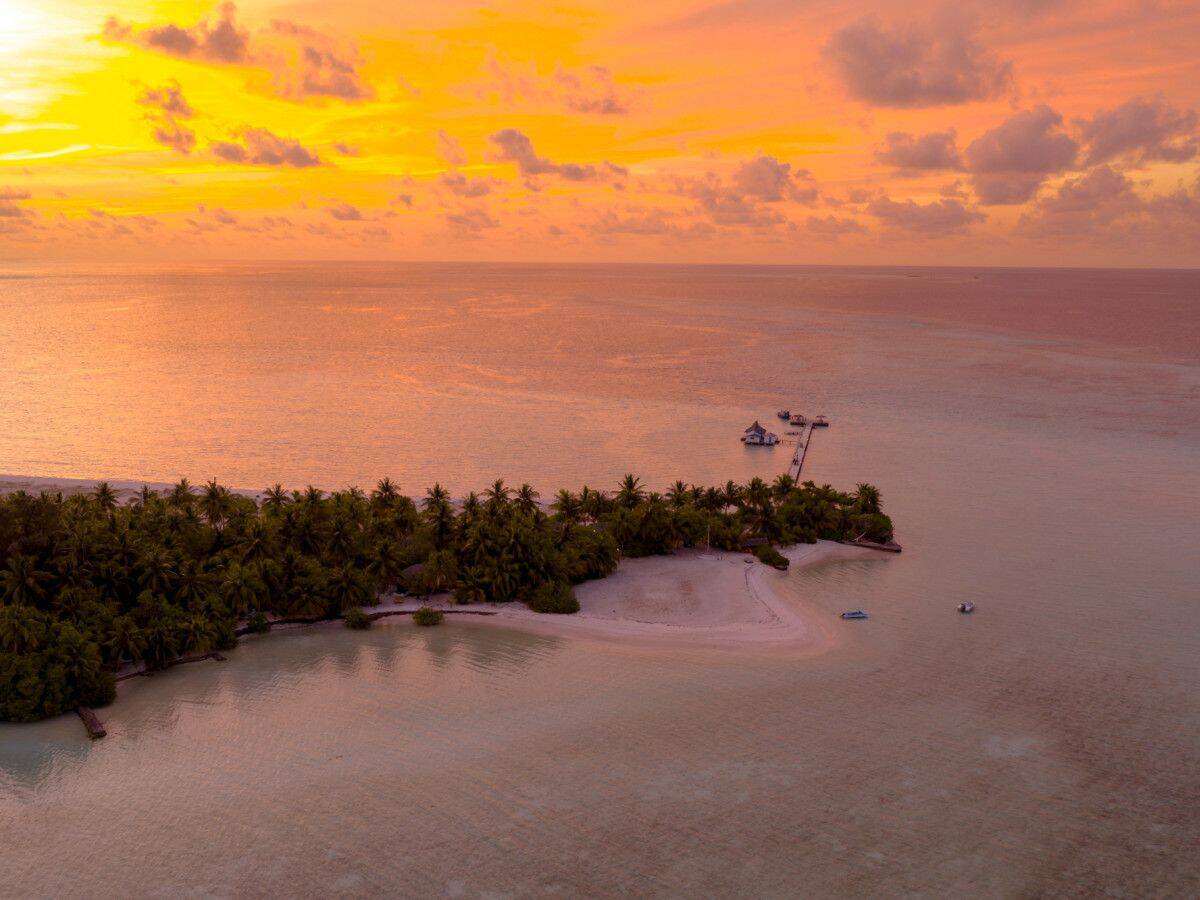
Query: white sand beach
x,y
711,599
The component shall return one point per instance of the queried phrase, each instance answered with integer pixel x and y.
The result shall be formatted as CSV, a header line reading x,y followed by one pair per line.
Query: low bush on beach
x,y
428,616
90,582
554,597
357,619
258,624
771,557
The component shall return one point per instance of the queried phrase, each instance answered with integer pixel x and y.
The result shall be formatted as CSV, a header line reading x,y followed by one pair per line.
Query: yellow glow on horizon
x,y
335,129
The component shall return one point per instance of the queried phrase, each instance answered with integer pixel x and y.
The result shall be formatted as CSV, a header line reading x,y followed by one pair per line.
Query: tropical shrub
x,y
772,557
258,624
554,597
356,619
428,616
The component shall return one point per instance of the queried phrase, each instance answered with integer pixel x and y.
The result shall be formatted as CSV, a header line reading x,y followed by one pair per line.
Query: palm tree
x,y
346,590
240,588
630,492
256,542
438,572
181,494
197,634
214,504
20,630
193,583
497,495
472,586
732,493
275,498
385,493
125,640
783,485
21,582
867,498
679,494
158,571
527,501
434,496
105,496
384,565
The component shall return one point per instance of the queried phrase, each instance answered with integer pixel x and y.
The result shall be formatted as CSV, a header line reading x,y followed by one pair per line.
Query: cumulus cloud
x,y
938,219
470,222
259,147
1103,203
515,146
766,178
345,212
643,222
588,89
1142,129
304,62
913,154
450,149
752,193
319,66
167,106
1009,163
168,99
832,227
10,197
460,184
222,42
915,67
591,90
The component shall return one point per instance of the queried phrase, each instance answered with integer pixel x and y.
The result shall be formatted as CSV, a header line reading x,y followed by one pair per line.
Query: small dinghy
x,y
966,607
784,413
854,614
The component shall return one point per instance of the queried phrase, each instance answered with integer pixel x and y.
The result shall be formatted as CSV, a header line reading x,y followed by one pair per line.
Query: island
x,y
96,586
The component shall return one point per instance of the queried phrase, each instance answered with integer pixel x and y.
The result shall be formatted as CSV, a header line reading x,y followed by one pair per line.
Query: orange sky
x,y
1047,132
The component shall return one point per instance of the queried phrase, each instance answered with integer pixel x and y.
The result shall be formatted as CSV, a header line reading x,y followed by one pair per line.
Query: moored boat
x,y
784,413
854,614
798,419
820,422
966,607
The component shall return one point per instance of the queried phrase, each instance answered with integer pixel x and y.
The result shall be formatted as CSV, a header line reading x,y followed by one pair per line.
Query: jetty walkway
x,y
801,451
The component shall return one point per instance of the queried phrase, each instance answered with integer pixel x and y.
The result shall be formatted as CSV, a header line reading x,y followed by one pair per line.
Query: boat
x,y
966,607
784,413
854,614
798,419
820,422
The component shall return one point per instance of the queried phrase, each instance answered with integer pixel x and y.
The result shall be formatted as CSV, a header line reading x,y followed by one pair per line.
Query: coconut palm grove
x,y
92,585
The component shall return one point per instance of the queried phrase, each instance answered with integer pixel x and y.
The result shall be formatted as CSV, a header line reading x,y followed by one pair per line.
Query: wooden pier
x,y
801,451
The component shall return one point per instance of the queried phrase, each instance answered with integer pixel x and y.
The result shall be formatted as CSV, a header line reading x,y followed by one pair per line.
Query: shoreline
x,y
648,603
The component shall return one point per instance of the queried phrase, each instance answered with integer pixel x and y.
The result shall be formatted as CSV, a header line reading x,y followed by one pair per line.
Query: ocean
x,y
1035,435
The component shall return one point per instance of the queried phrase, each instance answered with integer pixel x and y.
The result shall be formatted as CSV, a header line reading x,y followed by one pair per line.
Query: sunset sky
x,y
1048,132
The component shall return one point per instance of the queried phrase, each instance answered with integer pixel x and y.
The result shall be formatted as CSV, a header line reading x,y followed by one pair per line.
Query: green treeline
x,y
88,583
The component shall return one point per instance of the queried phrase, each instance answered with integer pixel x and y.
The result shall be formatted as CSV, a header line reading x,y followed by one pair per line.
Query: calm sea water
x,y
1035,435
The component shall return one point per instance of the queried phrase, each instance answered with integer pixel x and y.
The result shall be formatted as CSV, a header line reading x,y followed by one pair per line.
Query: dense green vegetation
x,y
427,616
772,557
88,584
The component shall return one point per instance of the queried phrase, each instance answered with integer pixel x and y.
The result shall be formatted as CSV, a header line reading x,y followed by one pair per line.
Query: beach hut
x,y
759,436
